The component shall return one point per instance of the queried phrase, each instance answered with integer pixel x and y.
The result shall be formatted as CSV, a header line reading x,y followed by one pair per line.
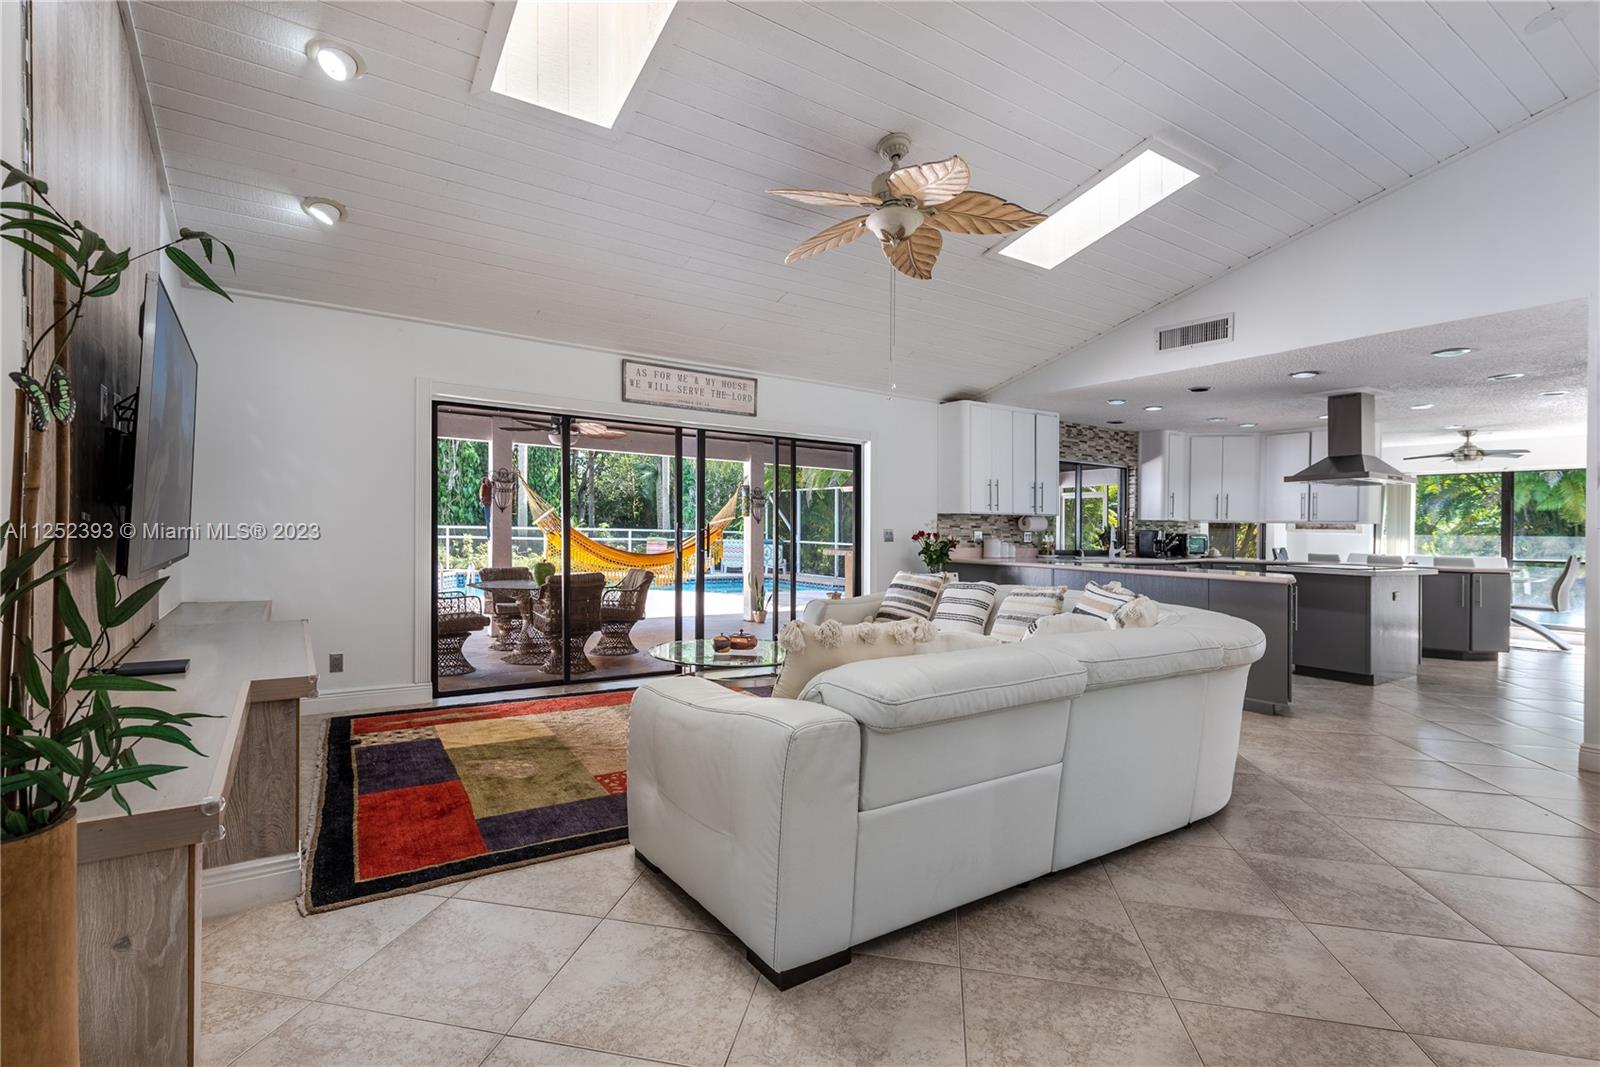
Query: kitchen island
x,y
1358,622
1268,600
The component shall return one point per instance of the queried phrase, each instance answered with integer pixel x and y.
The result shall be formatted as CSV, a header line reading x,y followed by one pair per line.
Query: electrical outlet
x,y
1027,537
335,662
888,534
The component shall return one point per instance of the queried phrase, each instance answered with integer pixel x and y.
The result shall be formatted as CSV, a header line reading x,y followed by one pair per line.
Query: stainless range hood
x,y
1352,447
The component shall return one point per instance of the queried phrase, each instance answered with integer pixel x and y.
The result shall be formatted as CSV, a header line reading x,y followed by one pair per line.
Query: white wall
x,y
1511,225
311,414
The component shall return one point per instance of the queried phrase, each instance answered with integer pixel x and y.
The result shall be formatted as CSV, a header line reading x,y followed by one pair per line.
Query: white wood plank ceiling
x,y
658,237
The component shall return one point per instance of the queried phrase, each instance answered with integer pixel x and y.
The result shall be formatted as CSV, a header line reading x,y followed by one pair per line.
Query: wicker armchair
x,y
458,617
504,608
621,606
581,622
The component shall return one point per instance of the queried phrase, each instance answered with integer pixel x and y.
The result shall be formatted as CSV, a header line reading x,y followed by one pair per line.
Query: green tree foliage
x,y
1549,503
1460,513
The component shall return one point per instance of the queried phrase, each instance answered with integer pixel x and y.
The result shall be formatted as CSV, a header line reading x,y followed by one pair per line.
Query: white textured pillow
x,y
964,607
1067,623
910,596
1102,601
947,642
1019,610
809,650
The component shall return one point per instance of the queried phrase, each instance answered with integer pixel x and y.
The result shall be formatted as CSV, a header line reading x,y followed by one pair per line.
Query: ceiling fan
x,y
1468,452
590,428
911,205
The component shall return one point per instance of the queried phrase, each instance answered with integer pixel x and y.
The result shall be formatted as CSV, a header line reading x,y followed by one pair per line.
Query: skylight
x,y
580,59
1135,187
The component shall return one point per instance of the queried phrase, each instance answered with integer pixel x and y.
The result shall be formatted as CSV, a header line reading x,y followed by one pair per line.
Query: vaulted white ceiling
x,y
658,236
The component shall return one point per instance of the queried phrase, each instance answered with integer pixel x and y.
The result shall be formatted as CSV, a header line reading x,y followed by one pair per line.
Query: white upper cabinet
x,y
1163,475
1283,454
997,460
1332,503
1224,477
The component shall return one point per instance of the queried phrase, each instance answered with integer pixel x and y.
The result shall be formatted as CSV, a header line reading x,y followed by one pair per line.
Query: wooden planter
x,y
39,937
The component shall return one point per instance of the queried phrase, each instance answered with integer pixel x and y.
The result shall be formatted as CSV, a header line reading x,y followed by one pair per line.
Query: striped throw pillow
x,y
910,596
964,607
1103,601
1019,610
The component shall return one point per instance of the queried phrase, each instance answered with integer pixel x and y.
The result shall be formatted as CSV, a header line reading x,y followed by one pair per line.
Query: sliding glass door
x,y
567,547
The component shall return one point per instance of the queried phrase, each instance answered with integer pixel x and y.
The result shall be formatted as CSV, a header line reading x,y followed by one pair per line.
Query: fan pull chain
x,y
893,383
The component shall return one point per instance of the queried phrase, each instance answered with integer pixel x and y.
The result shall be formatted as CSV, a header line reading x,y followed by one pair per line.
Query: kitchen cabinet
x,y
1224,477
1331,503
1163,475
1466,614
1283,454
996,460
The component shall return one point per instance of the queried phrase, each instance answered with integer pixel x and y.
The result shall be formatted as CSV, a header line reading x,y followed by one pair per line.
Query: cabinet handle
x,y
1463,590
1227,506
1477,591
1172,505
1216,505
1302,507
1313,505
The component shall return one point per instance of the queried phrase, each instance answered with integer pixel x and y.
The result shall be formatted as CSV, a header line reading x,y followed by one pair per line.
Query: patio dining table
x,y
532,649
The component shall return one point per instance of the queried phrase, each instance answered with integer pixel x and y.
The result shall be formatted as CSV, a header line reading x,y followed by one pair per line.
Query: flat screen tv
x,y
163,441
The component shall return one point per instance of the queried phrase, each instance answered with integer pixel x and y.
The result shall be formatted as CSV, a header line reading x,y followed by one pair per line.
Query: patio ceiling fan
x,y
1468,451
593,429
911,205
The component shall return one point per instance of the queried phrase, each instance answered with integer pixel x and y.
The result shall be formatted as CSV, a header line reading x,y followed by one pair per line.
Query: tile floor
x,y
1405,875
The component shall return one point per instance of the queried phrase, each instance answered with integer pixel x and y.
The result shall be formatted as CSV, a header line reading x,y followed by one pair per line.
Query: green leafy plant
x,y
64,738
90,752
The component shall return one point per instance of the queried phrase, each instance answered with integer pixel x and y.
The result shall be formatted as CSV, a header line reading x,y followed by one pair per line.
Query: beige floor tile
x,y
1262,791
1503,733
657,902
1578,976
1026,1022
1439,848
1534,781
327,1034
1070,927
1209,878
211,925
1248,961
467,963
1521,913
1241,1038
1428,773
449,889
647,991
1447,1053
520,1052
1368,800
1574,860
929,941
1298,762
1289,833
1490,812
1463,990
1592,892
588,884
1367,745
275,949
1477,752
231,1020
1196,834
875,1010
1585,813
1374,896
1560,759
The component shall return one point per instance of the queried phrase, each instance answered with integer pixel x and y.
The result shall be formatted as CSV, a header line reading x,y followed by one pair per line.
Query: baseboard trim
x,y
1589,756
246,885
374,698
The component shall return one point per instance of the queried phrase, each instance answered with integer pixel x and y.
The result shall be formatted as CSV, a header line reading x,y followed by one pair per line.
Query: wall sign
x,y
678,387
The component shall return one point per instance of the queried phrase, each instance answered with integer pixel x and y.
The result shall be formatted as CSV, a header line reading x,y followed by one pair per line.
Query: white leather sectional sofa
x,y
896,789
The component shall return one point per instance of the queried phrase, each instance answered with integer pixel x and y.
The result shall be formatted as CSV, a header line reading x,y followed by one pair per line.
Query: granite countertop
x,y
1347,570
1113,567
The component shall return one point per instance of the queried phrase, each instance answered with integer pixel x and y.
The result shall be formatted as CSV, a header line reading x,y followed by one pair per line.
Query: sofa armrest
x,y
749,804
847,611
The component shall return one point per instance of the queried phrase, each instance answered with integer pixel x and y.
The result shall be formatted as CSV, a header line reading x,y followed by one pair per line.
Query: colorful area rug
x,y
416,799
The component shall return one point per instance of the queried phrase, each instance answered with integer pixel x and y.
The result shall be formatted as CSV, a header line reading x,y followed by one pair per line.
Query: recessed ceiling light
x,y
1216,418
1116,402
338,62
323,210
1421,407
1112,201
1456,426
1247,426
1544,20
1199,388
1509,376
1152,407
1450,353
1304,374
1554,392
1113,422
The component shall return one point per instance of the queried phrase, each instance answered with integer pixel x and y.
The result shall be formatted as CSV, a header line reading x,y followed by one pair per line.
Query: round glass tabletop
x,y
699,655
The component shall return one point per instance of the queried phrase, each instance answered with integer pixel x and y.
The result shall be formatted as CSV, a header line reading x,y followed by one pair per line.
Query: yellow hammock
x,y
591,555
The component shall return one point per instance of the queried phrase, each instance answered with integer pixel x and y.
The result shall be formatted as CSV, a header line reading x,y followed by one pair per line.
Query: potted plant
x,y
934,550
65,738
755,589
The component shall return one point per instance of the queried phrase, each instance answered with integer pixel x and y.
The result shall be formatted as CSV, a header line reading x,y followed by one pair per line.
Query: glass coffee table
x,y
697,656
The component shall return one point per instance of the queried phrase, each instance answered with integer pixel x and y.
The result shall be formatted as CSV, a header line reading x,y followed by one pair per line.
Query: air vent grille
x,y
1189,334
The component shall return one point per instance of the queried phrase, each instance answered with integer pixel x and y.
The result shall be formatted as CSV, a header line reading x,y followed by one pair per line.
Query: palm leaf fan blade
x,y
931,183
913,256
835,236
983,213
827,198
